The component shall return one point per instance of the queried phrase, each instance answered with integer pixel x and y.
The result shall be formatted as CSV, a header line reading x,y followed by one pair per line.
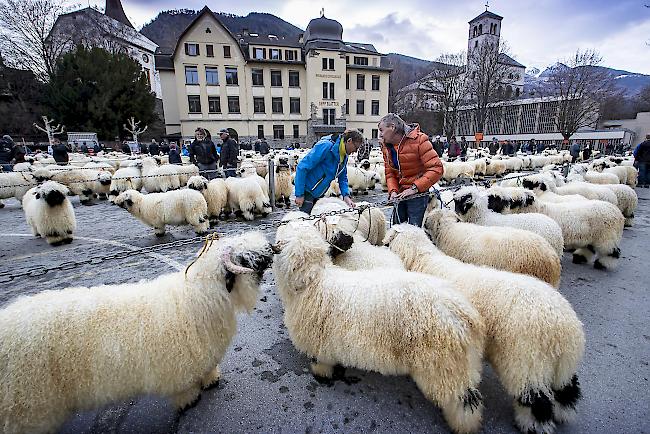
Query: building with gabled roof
x,y
282,88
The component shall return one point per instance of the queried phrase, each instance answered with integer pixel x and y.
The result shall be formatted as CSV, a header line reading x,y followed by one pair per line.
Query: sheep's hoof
x,y
160,235
599,266
57,243
579,259
2,205
86,202
365,193
67,241
279,205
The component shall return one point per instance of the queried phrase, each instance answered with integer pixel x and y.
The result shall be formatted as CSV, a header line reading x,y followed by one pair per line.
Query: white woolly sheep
x,y
594,228
127,177
248,170
534,349
472,207
626,199
185,172
589,190
359,180
82,348
390,321
334,190
49,213
480,166
380,169
503,248
495,167
215,194
246,198
15,184
454,169
159,178
178,207
80,182
543,189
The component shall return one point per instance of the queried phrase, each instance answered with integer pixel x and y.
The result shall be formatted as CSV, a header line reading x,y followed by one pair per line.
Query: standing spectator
x,y
264,147
229,153
609,148
204,154
438,147
97,148
532,145
540,147
574,151
59,152
525,147
154,149
463,148
494,146
586,152
144,149
326,161
126,149
411,167
256,146
174,155
84,148
642,161
454,149
185,152
164,147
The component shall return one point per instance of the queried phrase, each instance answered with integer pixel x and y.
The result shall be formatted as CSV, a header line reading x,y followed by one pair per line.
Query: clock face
x,y
145,58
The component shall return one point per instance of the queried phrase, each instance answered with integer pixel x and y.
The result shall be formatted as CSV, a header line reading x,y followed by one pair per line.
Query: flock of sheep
x,y
476,282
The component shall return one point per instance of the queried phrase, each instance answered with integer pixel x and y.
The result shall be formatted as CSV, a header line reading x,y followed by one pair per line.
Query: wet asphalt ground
x,y
266,386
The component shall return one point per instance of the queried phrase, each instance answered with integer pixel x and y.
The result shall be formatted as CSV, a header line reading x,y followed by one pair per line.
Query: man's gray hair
x,y
396,121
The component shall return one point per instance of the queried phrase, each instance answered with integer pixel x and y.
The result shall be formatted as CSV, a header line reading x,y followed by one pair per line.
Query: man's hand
x,y
393,195
406,193
300,201
349,202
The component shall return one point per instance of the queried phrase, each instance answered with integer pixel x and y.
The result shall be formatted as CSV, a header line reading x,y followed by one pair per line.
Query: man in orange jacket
x,y
411,164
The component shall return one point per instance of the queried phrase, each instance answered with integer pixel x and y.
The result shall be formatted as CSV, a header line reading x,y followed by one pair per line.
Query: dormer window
x,y
191,49
259,53
275,54
273,37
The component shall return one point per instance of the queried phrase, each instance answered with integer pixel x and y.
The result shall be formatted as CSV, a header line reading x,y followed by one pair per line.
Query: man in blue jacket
x,y
326,161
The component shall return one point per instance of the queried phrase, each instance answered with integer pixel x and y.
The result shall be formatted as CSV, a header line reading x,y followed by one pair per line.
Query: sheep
x,y
389,321
359,179
514,164
455,169
178,207
15,184
80,182
535,348
81,348
246,197
215,194
472,207
247,170
334,190
127,177
283,187
600,178
380,169
543,190
159,178
626,200
588,190
49,213
503,248
480,166
593,228
626,174
185,172
495,167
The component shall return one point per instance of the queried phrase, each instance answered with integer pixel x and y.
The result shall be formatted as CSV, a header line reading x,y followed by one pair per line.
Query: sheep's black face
x,y
105,182
527,183
283,161
197,187
496,203
365,165
530,199
114,192
340,243
40,179
464,203
54,198
258,261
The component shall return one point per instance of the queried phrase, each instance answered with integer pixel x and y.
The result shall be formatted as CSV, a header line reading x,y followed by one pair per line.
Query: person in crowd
x,y
59,152
174,155
256,146
164,147
454,149
154,149
574,151
246,146
411,167
84,148
609,148
463,148
326,161
438,147
540,147
525,147
125,148
229,153
144,149
586,152
532,145
185,151
97,148
494,146
204,154
264,147
642,162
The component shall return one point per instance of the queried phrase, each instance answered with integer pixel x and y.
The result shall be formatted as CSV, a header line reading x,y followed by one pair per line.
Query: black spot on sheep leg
x,y
599,265
616,253
569,395
591,248
540,405
579,259
472,399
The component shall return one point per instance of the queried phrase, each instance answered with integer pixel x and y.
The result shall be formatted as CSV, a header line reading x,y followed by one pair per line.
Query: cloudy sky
x,y
538,32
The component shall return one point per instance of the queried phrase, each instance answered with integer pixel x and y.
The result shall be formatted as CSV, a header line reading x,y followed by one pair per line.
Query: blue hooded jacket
x,y
319,168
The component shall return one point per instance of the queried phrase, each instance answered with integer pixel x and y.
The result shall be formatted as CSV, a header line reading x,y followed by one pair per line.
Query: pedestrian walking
x,y
326,162
229,153
642,162
411,167
203,153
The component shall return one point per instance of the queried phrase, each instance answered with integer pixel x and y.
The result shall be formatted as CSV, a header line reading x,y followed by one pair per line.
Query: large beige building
x,y
285,90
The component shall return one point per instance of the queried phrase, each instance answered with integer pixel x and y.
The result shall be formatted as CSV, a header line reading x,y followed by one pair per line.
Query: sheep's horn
x,y
277,247
231,266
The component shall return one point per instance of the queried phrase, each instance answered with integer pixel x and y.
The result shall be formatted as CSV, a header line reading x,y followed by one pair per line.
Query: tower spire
x,y
115,10
487,5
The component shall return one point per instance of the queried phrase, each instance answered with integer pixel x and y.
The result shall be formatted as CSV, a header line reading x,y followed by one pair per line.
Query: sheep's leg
x,y
583,255
566,396
159,231
2,205
534,412
201,225
607,260
187,398
211,379
321,369
462,413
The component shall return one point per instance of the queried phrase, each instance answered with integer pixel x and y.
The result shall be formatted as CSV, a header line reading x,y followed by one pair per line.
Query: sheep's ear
x,y
38,195
277,169
128,202
543,187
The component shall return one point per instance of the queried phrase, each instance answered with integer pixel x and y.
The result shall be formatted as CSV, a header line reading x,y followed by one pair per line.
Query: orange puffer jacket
x,y
418,163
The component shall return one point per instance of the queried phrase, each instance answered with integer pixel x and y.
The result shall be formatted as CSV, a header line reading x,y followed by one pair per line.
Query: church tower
x,y
484,28
115,10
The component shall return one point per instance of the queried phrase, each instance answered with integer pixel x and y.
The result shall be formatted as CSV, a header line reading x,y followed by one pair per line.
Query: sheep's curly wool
x,y
49,213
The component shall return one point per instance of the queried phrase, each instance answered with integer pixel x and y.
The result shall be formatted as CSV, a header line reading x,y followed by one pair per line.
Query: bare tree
x,y
451,84
488,72
50,130
579,85
134,128
24,29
